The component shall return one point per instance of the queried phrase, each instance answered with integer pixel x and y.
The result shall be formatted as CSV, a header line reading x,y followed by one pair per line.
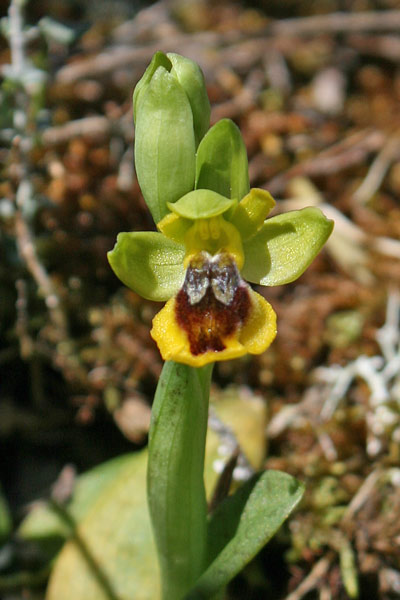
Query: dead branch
x,y
383,46
88,127
313,578
338,22
27,251
353,150
136,58
378,170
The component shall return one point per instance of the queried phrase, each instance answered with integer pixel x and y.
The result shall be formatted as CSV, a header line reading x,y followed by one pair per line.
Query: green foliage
x,y
44,525
348,569
99,495
111,555
242,525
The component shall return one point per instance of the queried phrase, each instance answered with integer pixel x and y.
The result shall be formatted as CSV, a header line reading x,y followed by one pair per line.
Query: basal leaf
x,y
242,525
285,246
42,524
148,263
111,555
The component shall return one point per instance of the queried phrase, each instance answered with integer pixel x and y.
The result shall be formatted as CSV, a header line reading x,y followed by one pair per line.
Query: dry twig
x,y
338,22
351,151
378,170
319,570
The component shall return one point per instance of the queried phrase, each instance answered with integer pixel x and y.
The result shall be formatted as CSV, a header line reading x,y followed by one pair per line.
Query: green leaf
x,y
44,526
164,142
221,162
285,246
189,75
201,204
148,263
242,525
176,493
348,569
111,555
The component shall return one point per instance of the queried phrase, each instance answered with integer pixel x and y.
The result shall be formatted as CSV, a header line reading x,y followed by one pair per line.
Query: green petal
x,y
164,143
221,162
250,213
189,75
148,263
285,246
174,227
201,204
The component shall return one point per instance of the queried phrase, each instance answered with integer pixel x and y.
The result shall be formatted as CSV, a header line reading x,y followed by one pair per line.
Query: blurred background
x,y
315,89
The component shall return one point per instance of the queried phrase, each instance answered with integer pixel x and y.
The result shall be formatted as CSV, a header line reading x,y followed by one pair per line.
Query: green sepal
x,y
201,204
164,143
159,60
189,75
242,525
252,211
148,263
221,162
285,246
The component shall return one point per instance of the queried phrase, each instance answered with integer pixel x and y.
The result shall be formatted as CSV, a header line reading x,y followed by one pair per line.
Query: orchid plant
x,y
212,239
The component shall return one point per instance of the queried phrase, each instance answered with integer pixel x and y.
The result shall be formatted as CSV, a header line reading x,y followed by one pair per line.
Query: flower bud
x,y
171,112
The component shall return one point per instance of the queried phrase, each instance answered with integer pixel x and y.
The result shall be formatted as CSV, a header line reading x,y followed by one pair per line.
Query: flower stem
x,y
176,494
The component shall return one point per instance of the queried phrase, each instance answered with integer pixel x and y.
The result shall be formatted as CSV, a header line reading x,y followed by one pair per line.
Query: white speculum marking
x,y
219,271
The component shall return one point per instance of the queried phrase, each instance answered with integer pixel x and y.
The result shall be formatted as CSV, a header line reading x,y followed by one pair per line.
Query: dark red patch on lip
x,y
209,322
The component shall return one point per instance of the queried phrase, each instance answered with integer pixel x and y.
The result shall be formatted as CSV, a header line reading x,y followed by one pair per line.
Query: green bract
x,y
172,113
221,161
